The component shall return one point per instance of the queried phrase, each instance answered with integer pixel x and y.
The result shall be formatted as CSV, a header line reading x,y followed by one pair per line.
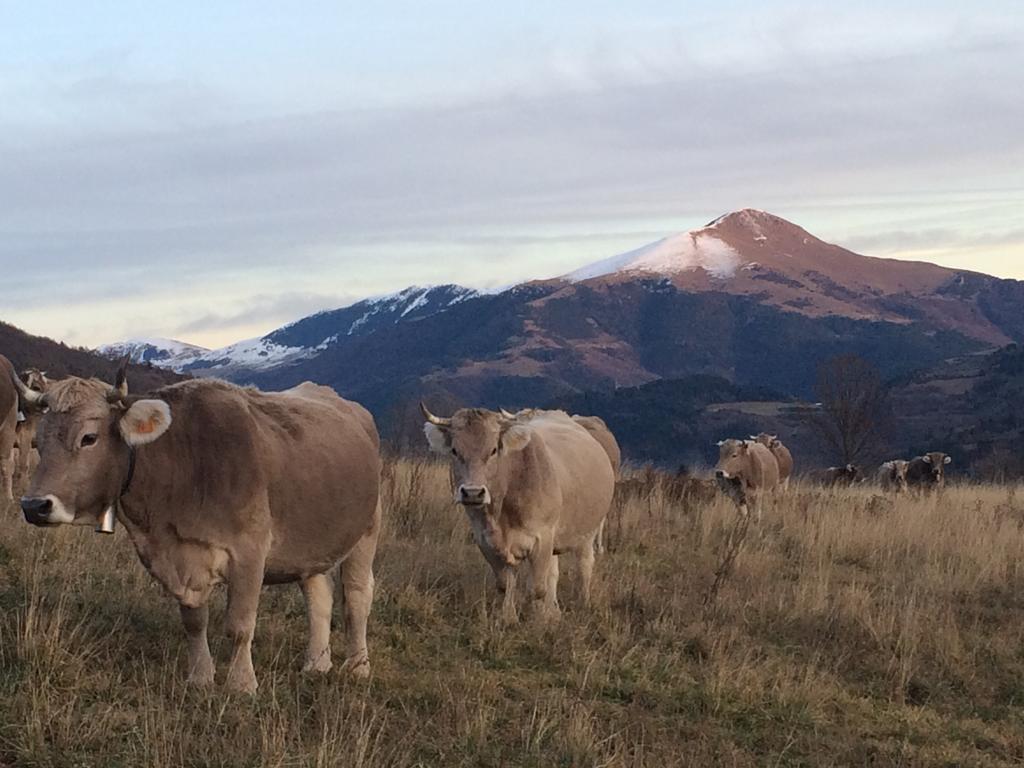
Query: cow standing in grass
x,y
928,473
892,476
8,428
842,477
746,471
28,423
532,488
216,483
781,454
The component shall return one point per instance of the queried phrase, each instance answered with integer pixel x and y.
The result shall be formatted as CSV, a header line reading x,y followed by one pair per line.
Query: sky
x,y
211,171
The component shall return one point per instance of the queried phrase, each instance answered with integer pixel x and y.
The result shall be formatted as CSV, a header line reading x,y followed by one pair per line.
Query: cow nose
x,y
37,510
472,494
720,473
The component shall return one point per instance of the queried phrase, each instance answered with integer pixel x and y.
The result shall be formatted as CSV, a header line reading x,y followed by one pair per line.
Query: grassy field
x,y
851,630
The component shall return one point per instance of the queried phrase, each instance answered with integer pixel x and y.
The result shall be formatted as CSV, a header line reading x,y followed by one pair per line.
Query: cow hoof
x,y
319,665
241,684
200,678
357,668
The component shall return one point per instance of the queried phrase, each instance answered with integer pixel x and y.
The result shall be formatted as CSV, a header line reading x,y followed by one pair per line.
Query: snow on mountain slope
x,y
676,253
296,341
164,353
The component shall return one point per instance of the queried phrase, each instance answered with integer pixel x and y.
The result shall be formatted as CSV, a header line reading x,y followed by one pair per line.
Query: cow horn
x,y
30,396
506,414
119,392
435,420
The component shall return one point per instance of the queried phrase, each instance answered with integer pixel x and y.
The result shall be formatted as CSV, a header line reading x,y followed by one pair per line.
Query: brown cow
x,y
928,472
28,423
216,483
746,468
8,428
838,476
892,476
532,488
781,454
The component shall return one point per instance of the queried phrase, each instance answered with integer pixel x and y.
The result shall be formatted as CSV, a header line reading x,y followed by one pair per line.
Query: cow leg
x,y
245,579
599,540
200,662
7,466
544,571
505,580
357,583
586,561
319,593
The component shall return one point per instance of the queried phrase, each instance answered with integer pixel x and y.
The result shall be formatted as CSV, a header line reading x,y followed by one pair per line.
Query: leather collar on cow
x,y
131,472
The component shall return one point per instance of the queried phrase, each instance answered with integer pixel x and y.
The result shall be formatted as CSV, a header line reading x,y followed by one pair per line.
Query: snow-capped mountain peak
x,y
161,352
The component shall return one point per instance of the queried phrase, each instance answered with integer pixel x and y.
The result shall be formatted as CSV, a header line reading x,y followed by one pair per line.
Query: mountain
x,y
58,360
297,341
750,298
165,353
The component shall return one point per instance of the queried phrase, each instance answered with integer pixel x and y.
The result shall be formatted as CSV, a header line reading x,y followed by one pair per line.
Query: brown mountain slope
x,y
757,254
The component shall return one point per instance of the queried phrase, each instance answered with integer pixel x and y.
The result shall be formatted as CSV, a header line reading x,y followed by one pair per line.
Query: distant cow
x,y
781,454
28,423
746,470
892,476
838,476
8,427
928,472
532,488
219,483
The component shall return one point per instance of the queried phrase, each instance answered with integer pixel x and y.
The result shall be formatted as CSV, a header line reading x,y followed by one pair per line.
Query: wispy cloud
x,y
232,223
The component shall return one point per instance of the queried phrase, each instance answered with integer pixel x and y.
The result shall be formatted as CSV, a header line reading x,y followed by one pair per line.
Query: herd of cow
x,y
216,483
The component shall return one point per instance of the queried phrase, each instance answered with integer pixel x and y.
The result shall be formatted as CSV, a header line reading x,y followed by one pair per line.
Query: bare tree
x,y
853,405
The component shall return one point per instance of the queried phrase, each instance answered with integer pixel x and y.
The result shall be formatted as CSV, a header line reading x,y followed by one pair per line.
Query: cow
x,y
838,476
8,427
746,469
28,423
928,472
781,454
533,489
598,429
892,476
218,483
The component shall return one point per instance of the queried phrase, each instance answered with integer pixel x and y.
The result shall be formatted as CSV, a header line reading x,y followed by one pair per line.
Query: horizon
x,y
210,174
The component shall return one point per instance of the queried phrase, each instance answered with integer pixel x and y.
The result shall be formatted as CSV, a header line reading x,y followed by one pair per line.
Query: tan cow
x,y
8,428
216,483
598,429
892,476
781,454
532,488
746,469
28,423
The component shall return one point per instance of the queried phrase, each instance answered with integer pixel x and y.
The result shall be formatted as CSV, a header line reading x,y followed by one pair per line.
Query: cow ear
x,y
927,459
743,447
145,421
515,438
947,460
438,437
720,443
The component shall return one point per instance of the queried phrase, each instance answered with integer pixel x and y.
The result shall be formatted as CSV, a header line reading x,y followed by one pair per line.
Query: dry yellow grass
x,y
851,631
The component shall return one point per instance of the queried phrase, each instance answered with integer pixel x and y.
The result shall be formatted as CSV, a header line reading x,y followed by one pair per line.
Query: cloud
x,y
495,187
275,309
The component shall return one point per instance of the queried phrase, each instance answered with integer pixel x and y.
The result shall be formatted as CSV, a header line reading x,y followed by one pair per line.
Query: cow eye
x,y
89,439
494,452
455,453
